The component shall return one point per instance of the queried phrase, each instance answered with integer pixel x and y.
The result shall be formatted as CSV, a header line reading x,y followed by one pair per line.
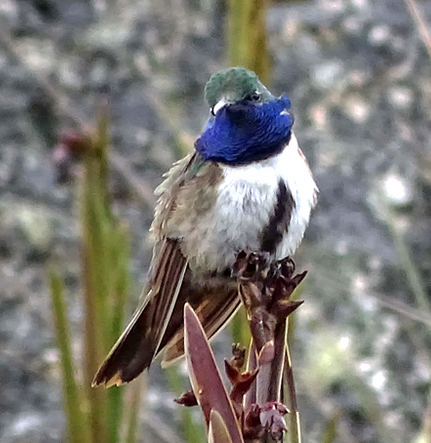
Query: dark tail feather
x,y
132,353
137,346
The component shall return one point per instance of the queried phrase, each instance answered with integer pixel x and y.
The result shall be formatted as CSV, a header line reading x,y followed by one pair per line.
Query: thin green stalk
x,y
247,36
121,280
119,288
234,31
294,433
98,231
93,309
114,413
77,426
95,397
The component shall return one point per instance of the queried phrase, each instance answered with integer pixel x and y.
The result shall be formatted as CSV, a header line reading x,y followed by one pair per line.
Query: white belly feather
x,y
247,196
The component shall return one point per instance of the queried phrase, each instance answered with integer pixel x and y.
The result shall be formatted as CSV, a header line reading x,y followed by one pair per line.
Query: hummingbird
x,y
246,187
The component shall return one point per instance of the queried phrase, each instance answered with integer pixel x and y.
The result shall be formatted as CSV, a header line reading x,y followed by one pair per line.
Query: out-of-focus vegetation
x,y
248,38
97,415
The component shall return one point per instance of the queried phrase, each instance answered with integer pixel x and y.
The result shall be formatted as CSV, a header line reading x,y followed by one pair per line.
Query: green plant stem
x,y
77,426
95,397
119,251
247,36
93,311
98,228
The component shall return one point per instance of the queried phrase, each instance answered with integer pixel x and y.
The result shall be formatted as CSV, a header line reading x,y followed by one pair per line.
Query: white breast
x,y
294,169
246,201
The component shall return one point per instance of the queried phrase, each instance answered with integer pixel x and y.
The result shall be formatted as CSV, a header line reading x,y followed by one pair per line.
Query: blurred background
x,y
358,75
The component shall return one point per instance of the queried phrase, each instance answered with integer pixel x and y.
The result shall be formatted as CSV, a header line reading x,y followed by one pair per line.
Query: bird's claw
x,y
250,264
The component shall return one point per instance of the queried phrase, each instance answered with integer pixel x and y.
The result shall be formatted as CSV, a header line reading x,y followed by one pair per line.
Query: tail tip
x,y
100,380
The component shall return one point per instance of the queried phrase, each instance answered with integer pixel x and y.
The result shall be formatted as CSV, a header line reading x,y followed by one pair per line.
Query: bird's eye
x,y
255,97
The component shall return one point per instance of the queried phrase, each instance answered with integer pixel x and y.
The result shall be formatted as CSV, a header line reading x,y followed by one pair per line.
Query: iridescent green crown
x,y
235,83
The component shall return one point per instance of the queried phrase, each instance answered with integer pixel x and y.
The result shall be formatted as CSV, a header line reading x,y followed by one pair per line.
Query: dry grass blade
x,y
205,378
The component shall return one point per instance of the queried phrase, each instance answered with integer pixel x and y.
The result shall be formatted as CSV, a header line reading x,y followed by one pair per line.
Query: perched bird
x,y
246,187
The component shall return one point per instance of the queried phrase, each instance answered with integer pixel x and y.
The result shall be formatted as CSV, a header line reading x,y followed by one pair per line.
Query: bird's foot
x,y
284,268
250,264
265,290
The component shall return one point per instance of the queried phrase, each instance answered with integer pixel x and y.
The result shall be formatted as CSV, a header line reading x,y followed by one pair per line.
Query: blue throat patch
x,y
244,132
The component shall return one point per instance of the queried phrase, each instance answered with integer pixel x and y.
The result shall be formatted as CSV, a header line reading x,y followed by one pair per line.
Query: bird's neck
x,y
241,135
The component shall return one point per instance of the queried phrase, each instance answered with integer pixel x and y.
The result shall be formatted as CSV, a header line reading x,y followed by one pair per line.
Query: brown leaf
x,y
187,399
233,374
242,386
205,377
285,308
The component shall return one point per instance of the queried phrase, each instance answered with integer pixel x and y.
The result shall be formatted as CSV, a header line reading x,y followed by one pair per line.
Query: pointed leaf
x,y
204,376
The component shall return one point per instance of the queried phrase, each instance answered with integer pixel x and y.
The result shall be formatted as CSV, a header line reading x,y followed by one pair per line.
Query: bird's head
x,y
247,122
233,86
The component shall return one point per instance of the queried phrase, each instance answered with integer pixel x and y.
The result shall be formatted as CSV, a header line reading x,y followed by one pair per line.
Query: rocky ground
x,y
357,73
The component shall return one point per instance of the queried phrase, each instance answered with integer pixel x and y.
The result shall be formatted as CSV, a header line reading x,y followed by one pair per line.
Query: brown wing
x,y
136,347
138,344
160,316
